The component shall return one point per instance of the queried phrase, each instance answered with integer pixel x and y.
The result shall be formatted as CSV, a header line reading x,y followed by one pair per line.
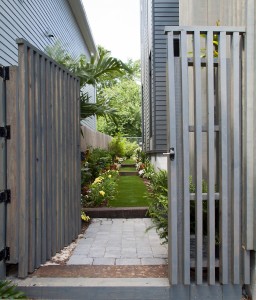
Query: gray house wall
x,y
34,20
155,15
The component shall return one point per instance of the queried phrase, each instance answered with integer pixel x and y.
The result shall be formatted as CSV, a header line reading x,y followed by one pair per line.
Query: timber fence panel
x,y
43,110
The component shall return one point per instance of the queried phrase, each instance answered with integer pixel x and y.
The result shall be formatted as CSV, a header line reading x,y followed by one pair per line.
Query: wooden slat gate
x,y
43,170
205,113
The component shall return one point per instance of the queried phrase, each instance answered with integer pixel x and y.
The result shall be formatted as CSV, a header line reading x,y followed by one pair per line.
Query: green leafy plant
x,y
100,68
158,211
117,146
102,190
9,291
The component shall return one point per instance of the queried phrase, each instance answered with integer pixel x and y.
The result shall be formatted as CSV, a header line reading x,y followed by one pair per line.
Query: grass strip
x,y
129,161
131,192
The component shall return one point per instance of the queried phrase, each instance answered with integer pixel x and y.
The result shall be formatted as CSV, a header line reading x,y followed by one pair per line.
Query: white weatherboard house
x,y
42,23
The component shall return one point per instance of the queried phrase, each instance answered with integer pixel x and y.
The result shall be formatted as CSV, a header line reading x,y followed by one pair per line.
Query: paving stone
x,y
128,261
97,252
153,261
107,261
79,260
82,250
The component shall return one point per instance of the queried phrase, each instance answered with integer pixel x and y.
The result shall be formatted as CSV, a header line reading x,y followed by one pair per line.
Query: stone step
x,y
123,289
95,288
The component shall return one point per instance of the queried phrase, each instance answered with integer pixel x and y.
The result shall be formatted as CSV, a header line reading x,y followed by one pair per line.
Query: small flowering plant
x,y
103,189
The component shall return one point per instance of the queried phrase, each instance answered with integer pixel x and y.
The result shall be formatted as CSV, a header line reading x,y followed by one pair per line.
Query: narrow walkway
x,y
119,242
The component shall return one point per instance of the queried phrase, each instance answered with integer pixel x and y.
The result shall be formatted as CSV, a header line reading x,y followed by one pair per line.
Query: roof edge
x,y
82,21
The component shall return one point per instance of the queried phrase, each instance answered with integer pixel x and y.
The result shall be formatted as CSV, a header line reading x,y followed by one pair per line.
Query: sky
x,y
115,25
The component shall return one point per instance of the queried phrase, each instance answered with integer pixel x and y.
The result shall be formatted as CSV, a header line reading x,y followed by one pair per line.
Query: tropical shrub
x,y
9,291
117,146
130,148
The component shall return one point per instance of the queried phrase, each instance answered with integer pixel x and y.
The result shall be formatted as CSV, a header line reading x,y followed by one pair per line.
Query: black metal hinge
x,y
5,254
5,132
5,196
4,73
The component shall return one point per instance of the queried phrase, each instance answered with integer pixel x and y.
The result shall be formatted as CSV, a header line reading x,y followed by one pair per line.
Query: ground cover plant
x,y
9,291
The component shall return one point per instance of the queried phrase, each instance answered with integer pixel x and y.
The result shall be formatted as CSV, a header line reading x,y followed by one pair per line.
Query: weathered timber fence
x,y
94,139
43,158
205,91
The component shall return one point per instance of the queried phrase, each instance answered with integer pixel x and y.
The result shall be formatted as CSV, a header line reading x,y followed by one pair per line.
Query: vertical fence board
x,y
32,167
49,177
172,169
72,150
185,154
77,155
38,216
13,207
2,175
71,161
236,172
53,142
223,160
58,161
44,162
198,156
67,127
210,161
23,161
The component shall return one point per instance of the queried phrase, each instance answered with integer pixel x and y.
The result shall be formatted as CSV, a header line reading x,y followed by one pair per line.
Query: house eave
x,y
82,21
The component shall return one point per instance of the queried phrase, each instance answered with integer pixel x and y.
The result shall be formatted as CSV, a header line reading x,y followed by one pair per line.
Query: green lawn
x,y
128,161
131,192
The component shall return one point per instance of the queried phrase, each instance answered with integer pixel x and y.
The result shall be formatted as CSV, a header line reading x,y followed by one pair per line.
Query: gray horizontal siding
x,y
165,13
31,20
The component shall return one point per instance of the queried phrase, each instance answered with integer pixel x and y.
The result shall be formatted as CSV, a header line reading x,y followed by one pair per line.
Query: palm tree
x,y
99,69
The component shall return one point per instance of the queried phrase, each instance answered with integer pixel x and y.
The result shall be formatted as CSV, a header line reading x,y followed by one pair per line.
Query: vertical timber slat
x,y
54,158
49,176
223,160
198,157
172,169
23,161
32,165
77,154
44,162
236,172
38,215
13,207
210,161
185,147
